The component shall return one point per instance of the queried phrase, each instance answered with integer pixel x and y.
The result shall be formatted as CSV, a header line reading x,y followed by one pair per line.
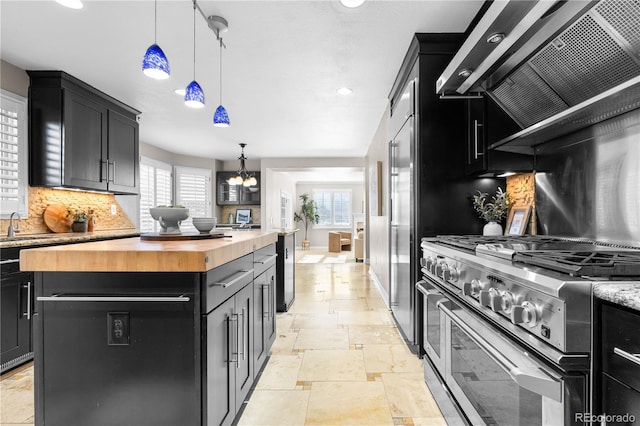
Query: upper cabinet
x,y
486,123
80,137
236,194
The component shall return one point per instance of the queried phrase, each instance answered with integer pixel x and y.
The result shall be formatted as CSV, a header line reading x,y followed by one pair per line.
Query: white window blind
x,y
334,207
155,190
13,154
193,190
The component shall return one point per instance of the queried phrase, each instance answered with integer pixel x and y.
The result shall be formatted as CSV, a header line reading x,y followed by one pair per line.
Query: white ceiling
x,y
284,62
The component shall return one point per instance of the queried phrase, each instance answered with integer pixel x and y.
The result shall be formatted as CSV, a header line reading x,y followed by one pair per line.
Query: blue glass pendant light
x,y
220,117
194,96
155,63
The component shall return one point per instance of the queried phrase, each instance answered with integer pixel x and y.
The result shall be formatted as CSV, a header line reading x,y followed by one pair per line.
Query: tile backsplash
x,y
40,198
522,190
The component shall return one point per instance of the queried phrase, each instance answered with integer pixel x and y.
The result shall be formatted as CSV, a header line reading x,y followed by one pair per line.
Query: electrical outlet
x,y
118,325
114,211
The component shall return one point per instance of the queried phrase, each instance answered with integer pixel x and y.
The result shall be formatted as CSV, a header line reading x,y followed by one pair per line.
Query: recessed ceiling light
x,y
495,38
352,3
71,4
180,92
344,91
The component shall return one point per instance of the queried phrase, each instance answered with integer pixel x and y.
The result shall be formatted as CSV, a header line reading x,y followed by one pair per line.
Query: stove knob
x,y
429,264
489,297
439,268
471,289
495,300
423,261
506,302
450,274
527,313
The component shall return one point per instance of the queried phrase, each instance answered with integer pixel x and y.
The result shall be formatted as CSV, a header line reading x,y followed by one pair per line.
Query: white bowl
x,y
204,224
169,218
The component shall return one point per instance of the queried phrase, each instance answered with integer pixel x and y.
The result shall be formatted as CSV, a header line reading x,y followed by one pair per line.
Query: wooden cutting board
x,y
56,219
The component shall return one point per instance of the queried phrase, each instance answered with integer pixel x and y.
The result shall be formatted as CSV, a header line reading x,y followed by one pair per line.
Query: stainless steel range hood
x,y
561,66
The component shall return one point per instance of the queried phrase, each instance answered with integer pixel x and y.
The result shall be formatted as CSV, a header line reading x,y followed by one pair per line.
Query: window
x,y
13,154
155,190
334,207
193,190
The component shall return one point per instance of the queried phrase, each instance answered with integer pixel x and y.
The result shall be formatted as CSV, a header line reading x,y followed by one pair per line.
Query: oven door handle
x,y
433,294
529,377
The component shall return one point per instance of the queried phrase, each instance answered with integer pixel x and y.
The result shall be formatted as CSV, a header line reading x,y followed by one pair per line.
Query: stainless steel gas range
x,y
507,324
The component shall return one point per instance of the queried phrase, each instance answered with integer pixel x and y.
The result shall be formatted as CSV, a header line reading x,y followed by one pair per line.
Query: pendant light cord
x,y
194,40
220,71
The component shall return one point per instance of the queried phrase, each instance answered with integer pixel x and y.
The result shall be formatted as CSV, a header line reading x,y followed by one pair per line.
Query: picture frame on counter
x,y
518,220
243,215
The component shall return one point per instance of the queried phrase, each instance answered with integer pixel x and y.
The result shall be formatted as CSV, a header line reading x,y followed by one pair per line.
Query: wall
x,y
318,235
278,182
377,227
522,191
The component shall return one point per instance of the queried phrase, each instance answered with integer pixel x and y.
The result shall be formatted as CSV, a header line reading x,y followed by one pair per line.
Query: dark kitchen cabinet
x,y
486,124
264,295
285,269
80,137
617,361
231,195
16,295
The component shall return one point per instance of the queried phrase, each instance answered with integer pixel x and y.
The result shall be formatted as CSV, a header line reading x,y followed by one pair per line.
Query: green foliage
x,y
494,210
80,216
308,213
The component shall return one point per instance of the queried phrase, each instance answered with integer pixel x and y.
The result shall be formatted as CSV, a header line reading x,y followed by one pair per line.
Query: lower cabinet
x,y
230,365
617,376
264,296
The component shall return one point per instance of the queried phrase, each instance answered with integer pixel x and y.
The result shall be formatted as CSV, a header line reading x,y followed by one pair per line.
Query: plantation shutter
x,y
155,190
13,154
193,190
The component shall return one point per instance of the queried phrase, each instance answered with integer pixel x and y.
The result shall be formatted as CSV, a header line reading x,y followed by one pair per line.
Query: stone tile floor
x,y
338,359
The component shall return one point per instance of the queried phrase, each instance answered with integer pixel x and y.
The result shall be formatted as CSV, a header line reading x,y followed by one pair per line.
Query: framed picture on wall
x,y
518,220
375,189
243,215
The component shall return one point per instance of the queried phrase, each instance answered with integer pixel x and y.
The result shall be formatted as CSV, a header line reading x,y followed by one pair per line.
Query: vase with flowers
x,y
492,210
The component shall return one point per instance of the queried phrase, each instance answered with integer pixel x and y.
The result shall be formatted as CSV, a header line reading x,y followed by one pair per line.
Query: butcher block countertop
x,y
136,255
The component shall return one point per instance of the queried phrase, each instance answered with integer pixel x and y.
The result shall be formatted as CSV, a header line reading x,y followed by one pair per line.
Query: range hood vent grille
x,y
588,58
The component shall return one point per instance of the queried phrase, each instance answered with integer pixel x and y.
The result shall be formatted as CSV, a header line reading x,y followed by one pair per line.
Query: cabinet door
x,y
260,313
476,147
619,399
227,194
84,143
222,335
250,195
15,337
245,365
270,320
122,162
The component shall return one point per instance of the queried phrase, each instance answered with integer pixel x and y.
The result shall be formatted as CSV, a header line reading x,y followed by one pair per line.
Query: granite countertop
x,y
137,255
625,294
26,240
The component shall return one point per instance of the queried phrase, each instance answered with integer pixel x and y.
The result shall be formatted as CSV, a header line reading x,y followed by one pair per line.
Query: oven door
x,y
433,323
497,382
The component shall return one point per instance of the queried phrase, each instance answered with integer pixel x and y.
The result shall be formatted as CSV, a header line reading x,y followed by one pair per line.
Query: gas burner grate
x,y
470,242
585,263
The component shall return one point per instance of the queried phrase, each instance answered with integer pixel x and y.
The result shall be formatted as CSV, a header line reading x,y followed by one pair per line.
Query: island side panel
x,y
131,360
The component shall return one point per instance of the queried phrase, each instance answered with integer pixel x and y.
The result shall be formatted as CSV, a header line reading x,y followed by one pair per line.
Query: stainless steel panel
x,y
588,185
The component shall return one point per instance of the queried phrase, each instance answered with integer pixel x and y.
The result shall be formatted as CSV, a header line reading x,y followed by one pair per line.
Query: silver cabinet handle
x,y
6,262
265,292
233,357
475,139
266,259
56,298
111,177
634,358
104,175
28,313
235,280
244,351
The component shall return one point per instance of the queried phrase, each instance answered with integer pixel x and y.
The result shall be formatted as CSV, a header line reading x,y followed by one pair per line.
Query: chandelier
x,y
243,177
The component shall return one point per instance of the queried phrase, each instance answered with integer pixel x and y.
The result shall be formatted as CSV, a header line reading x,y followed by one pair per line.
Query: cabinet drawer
x,y
226,280
263,259
621,345
620,400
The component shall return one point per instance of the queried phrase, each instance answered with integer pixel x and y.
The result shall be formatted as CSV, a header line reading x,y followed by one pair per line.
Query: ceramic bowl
x,y
169,218
204,224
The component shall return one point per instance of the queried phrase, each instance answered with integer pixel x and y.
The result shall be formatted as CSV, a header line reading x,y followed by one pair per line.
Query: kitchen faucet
x,y
11,232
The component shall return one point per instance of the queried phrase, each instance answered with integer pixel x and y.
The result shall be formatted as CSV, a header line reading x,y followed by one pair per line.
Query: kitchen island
x,y
142,332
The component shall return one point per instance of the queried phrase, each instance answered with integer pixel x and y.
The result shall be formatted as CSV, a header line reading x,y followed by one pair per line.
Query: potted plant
x,y
308,214
492,211
80,222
